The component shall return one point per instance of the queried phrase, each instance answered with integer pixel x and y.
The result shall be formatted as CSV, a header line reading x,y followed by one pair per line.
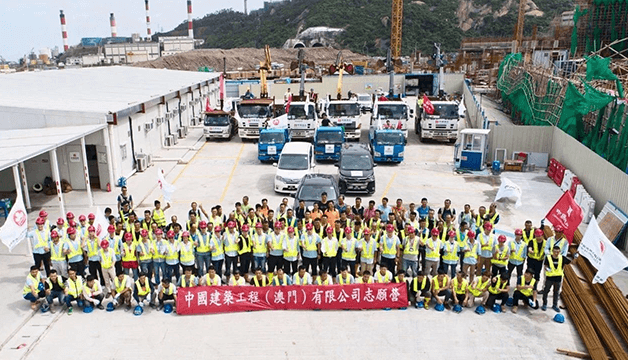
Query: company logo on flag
x,y
566,213
601,253
100,224
427,105
15,228
166,187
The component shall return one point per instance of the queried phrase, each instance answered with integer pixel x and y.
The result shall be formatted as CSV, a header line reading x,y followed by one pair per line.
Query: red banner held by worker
x,y
567,214
221,299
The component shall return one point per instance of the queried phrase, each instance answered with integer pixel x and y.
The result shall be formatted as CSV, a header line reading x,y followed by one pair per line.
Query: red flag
x,y
399,125
566,213
207,107
288,104
427,105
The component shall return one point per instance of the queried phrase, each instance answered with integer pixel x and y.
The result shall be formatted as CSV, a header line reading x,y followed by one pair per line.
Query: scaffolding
x,y
599,23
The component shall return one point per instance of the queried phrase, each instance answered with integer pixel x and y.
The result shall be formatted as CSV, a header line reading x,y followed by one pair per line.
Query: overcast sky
x,y
34,24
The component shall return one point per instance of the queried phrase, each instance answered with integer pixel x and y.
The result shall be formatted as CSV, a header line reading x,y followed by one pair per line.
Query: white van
x,y
296,160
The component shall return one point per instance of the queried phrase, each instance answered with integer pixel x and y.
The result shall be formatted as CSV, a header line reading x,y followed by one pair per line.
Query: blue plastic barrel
x,y
496,165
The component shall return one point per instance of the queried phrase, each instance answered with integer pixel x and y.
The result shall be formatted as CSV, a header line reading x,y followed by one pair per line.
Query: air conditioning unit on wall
x,y
168,141
142,162
181,133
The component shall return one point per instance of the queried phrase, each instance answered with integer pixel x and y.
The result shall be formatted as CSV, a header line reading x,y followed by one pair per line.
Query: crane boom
x,y
395,28
519,26
264,67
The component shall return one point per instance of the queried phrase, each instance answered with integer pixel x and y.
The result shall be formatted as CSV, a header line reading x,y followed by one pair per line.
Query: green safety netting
x,y
576,105
574,33
599,68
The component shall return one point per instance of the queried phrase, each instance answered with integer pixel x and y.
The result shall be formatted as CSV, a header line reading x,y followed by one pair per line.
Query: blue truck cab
x,y
270,144
387,145
328,141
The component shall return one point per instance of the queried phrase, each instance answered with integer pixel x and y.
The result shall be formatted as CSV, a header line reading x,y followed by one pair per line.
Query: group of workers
x,y
443,257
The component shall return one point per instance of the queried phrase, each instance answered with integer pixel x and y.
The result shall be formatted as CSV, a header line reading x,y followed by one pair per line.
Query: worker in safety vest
x,y
433,246
554,272
145,252
44,216
245,249
390,248
259,280
166,291
498,290
460,287
73,249
115,243
323,279
536,253
499,261
158,214
479,289
188,279
441,288
216,246
525,290
40,239
143,291
61,229
55,289
186,251
400,278
311,246
34,289
487,244
367,247
383,275
329,248
106,258
559,240
171,252
281,278
478,220
290,251
518,252
259,241
275,247
471,253
450,253
349,245
344,278
211,279
203,254
366,278
302,277
236,279
410,257
93,293
57,256
420,290
91,247
73,290
122,290
129,256
528,232
159,256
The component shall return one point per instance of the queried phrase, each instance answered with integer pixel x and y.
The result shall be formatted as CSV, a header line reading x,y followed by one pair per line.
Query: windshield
x,y
313,192
293,162
216,120
356,162
298,112
389,138
449,111
364,98
392,111
351,109
329,137
272,138
253,111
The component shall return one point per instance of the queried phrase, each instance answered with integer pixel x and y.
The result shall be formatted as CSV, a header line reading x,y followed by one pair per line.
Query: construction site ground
x,y
222,172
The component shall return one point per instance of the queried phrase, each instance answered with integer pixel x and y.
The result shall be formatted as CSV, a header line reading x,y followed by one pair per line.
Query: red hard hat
x,y
330,230
43,214
203,225
488,225
40,221
111,229
538,233
82,217
390,227
91,228
54,234
471,234
501,238
411,229
69,215
159,232
558,228
245,228
290,229
451,233
91,216
218,228
128,236
186,234
104,244
71,231
258,225
435,232
170,234
71,223
144,233
518,232
231,224
60,221
347,230
367,231
309,227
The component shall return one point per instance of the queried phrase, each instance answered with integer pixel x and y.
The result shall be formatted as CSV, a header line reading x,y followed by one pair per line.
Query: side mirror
x,y
275,164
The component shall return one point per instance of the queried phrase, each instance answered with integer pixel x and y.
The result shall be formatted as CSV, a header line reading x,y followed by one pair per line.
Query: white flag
x,y
165,186
101,224
280,122
15,228
602,254
509,189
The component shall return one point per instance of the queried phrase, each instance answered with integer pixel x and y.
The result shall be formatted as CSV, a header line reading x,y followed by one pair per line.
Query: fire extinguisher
x,y
108,187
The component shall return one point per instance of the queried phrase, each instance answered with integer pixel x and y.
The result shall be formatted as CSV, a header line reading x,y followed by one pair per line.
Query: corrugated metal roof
x,y
100,89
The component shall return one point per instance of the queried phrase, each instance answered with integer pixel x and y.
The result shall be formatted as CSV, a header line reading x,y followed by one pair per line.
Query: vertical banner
x,y
601,253
14,229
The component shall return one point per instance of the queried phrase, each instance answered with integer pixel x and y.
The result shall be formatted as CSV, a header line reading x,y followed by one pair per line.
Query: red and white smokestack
x,y
64,31
190,27
147,19
112,21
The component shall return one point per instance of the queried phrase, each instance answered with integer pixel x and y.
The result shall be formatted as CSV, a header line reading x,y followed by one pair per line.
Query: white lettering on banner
x,y
382,295
189,297
279,298
394,294
355,295
330,297
227,298
343,296
240,297
202,298
253,297
214,298
601,252
316,296
369,295
292,294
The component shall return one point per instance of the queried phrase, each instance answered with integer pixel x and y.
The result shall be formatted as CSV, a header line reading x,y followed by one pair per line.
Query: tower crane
x,y
264,67
395,28
519,26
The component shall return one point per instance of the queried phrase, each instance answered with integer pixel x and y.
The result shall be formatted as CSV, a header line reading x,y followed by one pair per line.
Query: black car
x,y
355,169
312,186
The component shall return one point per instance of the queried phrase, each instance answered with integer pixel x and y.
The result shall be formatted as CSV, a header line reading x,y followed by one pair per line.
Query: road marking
x,y
235,165
394,175
188,164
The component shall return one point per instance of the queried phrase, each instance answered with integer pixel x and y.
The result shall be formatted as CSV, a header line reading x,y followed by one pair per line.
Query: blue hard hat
x,y
531,303
457,308
439,307
110,307
480,310
168,308
510,302
420,304
88,309
497,308
45,307
138,311
559,318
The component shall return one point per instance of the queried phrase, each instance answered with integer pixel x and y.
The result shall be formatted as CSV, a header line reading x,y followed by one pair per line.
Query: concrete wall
x,y
454,83
601,179
475,116
519,138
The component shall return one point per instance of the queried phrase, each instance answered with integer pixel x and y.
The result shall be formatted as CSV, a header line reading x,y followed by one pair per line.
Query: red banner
x,y
221,299
427,105
566,213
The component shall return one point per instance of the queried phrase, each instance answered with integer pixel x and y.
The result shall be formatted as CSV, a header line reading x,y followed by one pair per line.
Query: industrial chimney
x,y
64,31
112,21
147,19
245,13
190,27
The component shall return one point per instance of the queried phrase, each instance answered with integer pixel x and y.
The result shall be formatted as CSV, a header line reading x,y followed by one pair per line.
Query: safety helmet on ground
x,y
128,236
111,229
45,307
40,221
538,233
104,244
518,232
435,232
203,225
559,318
138,311
497,308
144,233
69,215
510,301
168,308
54,234
419,304
43,214
88,309
71,231
457,308
110,307
91,228
91,216
501,238
480,310
488,225
82,217
471,234
439,307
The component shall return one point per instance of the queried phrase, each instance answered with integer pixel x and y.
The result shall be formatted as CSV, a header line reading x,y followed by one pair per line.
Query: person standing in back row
x,y
554,272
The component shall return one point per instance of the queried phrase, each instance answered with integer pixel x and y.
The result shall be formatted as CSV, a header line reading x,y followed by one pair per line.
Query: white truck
x,y
251,115
302,118
443,123
391,113
345,113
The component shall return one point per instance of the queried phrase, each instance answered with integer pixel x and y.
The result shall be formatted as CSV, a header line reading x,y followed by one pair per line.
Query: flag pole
x,y
18,190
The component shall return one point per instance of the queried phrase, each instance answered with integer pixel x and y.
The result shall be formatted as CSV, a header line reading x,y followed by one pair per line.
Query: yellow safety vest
x,y
231,241
377,224
188,284
460,288
495,289
382,278
488,244
476,291
57,255
41,243
518,255
129,252
257,282
555,271
90,291
300,281
538,251
432,253
169,290
310,245
203,243
92,247
492,220
527,239
527,292
156,245
479,221
277,282
415,284
388,251
187,252
319,281
218,249
276,241
292,248
75,288
173,253
74,250
451,251
367,249
331,252
501,257
142,291
460,240
36,281
411,247
210,282
443,235
259,244
473,252
145,249
437,286
346,281
361,280
120,285
106,259
350,253
59,282
159,217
